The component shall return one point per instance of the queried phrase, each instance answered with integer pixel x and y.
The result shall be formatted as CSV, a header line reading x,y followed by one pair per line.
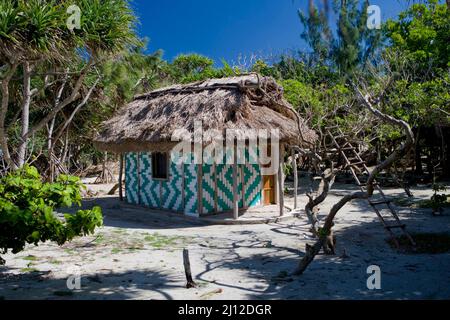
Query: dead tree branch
x,y
325,233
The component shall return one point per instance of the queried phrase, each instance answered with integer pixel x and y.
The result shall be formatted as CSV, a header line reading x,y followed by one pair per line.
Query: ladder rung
x,y
356,163
348,148
376,203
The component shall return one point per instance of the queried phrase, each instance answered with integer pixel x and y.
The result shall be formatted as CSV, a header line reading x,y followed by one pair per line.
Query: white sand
x,y
138,255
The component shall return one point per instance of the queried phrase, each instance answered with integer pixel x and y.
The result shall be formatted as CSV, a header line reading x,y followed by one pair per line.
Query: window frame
x,y
153,154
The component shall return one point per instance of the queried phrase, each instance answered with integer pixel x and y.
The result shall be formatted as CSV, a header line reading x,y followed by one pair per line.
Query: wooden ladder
x,y
356,164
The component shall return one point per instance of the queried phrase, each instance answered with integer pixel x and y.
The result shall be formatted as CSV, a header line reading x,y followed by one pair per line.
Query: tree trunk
x,y
294,168
4,109
418,154
325,233
73,96
25,118
51,163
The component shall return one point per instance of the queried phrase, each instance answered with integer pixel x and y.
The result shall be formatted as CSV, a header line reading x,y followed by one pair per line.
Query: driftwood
x,y
187,270
113,189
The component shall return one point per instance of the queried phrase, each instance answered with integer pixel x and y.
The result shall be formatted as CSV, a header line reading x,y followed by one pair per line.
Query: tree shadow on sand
x,y
342,276
122,215
139,284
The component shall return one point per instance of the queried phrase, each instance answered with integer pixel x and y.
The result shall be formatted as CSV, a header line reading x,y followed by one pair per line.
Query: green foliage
x,y
287,169
27,208
188,68
422,33
132,73
36,32
38,28
317,33
317,102
347,49
106,25
418,42
323,233
184,65
261,67
438,201
32,24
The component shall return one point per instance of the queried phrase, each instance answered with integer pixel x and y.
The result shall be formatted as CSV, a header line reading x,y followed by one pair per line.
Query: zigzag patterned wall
x,y
172,189
131,178
252,178
190,189
225,187
149,189
209,190
169,194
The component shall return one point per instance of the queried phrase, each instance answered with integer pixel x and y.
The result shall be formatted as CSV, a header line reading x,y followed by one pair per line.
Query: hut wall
x,y
132,178
149,190
180,192
190,189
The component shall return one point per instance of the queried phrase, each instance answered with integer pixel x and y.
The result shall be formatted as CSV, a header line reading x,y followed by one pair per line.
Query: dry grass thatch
x,y
244,102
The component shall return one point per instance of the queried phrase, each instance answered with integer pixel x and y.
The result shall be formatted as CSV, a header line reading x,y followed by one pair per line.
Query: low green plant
x,y
438,200
27,210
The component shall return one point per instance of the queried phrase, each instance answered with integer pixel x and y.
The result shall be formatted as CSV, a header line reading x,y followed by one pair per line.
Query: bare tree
x,y
324,233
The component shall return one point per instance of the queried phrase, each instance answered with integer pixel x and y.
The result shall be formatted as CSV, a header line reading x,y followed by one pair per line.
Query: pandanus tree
x,y
49,57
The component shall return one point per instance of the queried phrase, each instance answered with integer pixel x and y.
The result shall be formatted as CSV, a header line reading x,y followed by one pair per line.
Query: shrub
x,y
27,210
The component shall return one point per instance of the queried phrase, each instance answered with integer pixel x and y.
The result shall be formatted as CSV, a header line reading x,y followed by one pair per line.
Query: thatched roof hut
x,y
244,102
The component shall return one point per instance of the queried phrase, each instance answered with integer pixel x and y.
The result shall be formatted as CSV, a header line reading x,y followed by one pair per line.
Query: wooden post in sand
x,y
294,167
187,270
235,186
121,177
281,181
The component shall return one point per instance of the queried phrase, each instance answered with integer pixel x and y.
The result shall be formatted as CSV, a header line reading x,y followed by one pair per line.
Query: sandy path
x,y
137,255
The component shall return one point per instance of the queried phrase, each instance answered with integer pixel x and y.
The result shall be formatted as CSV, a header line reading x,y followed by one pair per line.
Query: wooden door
x,y
269,190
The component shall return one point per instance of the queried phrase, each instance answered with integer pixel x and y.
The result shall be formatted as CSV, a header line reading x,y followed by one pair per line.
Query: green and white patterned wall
x,y
168,194
131,178
190,189
150,190
172,189
252,178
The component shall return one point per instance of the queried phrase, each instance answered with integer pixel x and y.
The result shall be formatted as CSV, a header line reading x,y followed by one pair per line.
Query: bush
x,y
27,210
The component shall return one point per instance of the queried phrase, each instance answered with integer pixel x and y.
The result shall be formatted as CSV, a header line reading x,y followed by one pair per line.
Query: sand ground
x,y
138,255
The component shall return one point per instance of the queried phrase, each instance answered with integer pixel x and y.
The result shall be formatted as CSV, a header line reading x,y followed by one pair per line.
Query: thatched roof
x,y
244,102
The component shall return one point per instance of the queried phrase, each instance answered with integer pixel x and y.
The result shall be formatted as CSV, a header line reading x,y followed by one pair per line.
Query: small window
x,y
160,165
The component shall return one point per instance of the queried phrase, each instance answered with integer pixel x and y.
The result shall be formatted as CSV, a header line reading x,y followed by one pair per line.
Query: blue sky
x,y
225,29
